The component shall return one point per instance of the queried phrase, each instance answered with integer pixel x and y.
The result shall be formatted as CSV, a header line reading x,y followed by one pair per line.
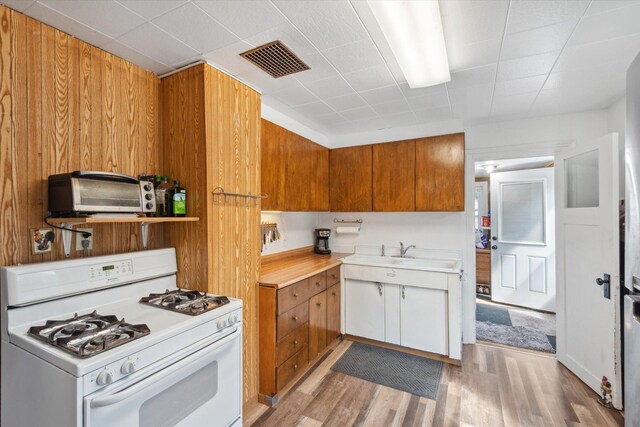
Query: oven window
x,y
172,405
94,192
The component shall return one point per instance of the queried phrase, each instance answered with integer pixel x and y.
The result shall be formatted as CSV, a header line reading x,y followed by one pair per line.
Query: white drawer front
x,y
397,276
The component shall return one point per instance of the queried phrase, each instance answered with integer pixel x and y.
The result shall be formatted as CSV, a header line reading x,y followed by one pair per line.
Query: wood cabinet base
x,y
408,350
293,381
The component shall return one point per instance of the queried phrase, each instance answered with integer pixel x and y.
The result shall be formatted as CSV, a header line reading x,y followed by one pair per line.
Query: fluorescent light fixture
x,y
413,29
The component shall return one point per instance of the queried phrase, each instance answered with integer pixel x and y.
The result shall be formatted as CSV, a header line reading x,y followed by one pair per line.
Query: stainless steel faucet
x,y
403,250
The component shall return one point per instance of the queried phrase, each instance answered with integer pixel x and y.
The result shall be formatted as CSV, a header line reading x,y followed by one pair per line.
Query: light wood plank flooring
x,y
496,386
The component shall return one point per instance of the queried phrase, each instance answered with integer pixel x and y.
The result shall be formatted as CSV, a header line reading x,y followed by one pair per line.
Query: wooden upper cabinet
x,y
394,168
351,179
273,167
294,171
440,173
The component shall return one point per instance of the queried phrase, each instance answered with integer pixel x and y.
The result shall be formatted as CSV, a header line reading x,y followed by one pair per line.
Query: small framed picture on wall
x,y
41,240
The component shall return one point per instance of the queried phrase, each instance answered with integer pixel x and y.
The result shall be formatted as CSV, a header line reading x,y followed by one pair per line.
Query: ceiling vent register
x,y
275,59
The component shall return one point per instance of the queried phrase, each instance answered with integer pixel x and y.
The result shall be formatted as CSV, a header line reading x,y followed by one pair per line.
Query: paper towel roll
x,y
348,230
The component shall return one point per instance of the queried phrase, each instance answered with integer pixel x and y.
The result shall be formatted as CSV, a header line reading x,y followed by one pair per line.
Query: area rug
x,y
516,327
407,372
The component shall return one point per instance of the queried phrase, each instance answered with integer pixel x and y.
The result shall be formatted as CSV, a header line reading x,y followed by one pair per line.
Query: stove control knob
x,y
222,324
105,377
233,318
147,187
128,367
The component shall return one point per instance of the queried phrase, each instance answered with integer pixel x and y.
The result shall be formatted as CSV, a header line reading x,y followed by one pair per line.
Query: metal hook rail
x,y
348,221
219,191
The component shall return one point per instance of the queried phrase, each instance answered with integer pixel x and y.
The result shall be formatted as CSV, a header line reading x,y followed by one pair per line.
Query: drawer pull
x,y
333,293
295,295
317,283
295,342
319,304
295,318
333,275
295,366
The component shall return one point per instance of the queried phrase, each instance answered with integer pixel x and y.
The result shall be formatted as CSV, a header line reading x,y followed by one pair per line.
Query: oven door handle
x,y
112,399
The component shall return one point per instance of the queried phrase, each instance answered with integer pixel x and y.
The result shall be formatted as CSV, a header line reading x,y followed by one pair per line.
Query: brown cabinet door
x,y
273,168
440,173
333,313
298,177
394,170
319,177
351,179
317,324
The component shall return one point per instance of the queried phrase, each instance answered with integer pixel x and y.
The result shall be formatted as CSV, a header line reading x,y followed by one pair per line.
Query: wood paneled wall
x,y
212,139
66,105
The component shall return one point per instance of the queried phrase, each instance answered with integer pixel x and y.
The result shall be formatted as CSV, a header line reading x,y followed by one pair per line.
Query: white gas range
x,y
111,341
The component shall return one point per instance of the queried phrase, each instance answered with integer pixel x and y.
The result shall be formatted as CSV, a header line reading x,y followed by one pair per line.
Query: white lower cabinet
x,y
423,319
403,315
364,309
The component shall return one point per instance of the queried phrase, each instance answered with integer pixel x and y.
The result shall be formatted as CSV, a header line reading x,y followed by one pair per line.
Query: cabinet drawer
x,y
293,318
317,283
292,366
333,275
292,343
293,295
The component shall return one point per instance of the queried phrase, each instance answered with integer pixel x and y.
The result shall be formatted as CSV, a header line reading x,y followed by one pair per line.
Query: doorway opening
x,y
514,219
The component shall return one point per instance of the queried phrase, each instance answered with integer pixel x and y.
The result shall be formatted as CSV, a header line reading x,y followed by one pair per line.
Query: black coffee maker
x,y
322,241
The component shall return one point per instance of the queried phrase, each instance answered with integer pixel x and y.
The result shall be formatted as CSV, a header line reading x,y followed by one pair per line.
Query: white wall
x,y
296,229
617,118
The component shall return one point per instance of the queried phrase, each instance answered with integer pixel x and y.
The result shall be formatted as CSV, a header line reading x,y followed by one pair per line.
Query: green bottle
x,y
177,200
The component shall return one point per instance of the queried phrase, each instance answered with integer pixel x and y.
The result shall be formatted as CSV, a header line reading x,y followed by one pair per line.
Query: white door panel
x,y
588,244
364,309
523,238
424,320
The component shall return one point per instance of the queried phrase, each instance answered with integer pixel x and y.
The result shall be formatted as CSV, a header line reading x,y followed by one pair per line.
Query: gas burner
x,y
184,301
88,335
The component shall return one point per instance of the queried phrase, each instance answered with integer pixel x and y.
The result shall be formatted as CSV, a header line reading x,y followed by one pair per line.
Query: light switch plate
x,y
80,238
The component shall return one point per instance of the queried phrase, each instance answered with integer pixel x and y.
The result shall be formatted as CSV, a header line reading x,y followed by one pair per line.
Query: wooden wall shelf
x,y
143,221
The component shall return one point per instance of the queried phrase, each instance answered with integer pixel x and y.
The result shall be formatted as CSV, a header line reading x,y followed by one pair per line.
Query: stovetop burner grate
x,y
89,334
185,301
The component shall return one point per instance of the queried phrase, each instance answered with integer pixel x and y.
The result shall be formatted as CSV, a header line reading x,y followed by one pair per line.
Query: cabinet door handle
x,y
403,292
318,304
379,288
333,293
295,366
295,318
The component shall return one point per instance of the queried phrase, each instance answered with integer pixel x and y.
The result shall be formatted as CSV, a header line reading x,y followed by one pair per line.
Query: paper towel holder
x,y
348,221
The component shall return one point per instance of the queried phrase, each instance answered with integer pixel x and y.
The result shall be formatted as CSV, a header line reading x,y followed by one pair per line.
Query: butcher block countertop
x,y
286,268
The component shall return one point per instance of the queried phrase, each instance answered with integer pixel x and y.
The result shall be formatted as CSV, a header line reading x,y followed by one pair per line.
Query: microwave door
x,y
193,391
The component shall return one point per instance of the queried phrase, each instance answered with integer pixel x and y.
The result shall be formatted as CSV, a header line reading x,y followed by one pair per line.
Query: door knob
x,y
494,238
606,281
494,247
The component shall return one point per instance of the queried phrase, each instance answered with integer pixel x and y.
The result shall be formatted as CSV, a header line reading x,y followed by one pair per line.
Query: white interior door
x,y
523,239
587,244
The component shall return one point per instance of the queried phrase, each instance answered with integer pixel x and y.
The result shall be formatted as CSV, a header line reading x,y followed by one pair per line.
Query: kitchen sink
x,y
444,265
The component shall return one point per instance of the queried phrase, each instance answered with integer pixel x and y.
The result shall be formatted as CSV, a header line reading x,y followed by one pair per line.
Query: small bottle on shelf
x,y
162,196
177,200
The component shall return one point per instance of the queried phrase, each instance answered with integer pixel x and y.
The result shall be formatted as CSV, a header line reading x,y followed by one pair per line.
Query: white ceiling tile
x,y
362,113
228,58
295,94
266,83
510,105
157,44
136,57
473,76
150,9
623,49
326,23
330,119
540,40
107,17
527,66
370,78
430,115
393,107
518,86
600,6
63,23
196,29
314,109
429,101
244,18
19,5
331,87
471,102
469,22
529,14
612,24
320,68
400,119
288,35
382,95
434,91
469,55
354,56
346,102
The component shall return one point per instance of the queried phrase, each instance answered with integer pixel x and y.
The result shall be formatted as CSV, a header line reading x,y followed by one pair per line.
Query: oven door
x,y
201,389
